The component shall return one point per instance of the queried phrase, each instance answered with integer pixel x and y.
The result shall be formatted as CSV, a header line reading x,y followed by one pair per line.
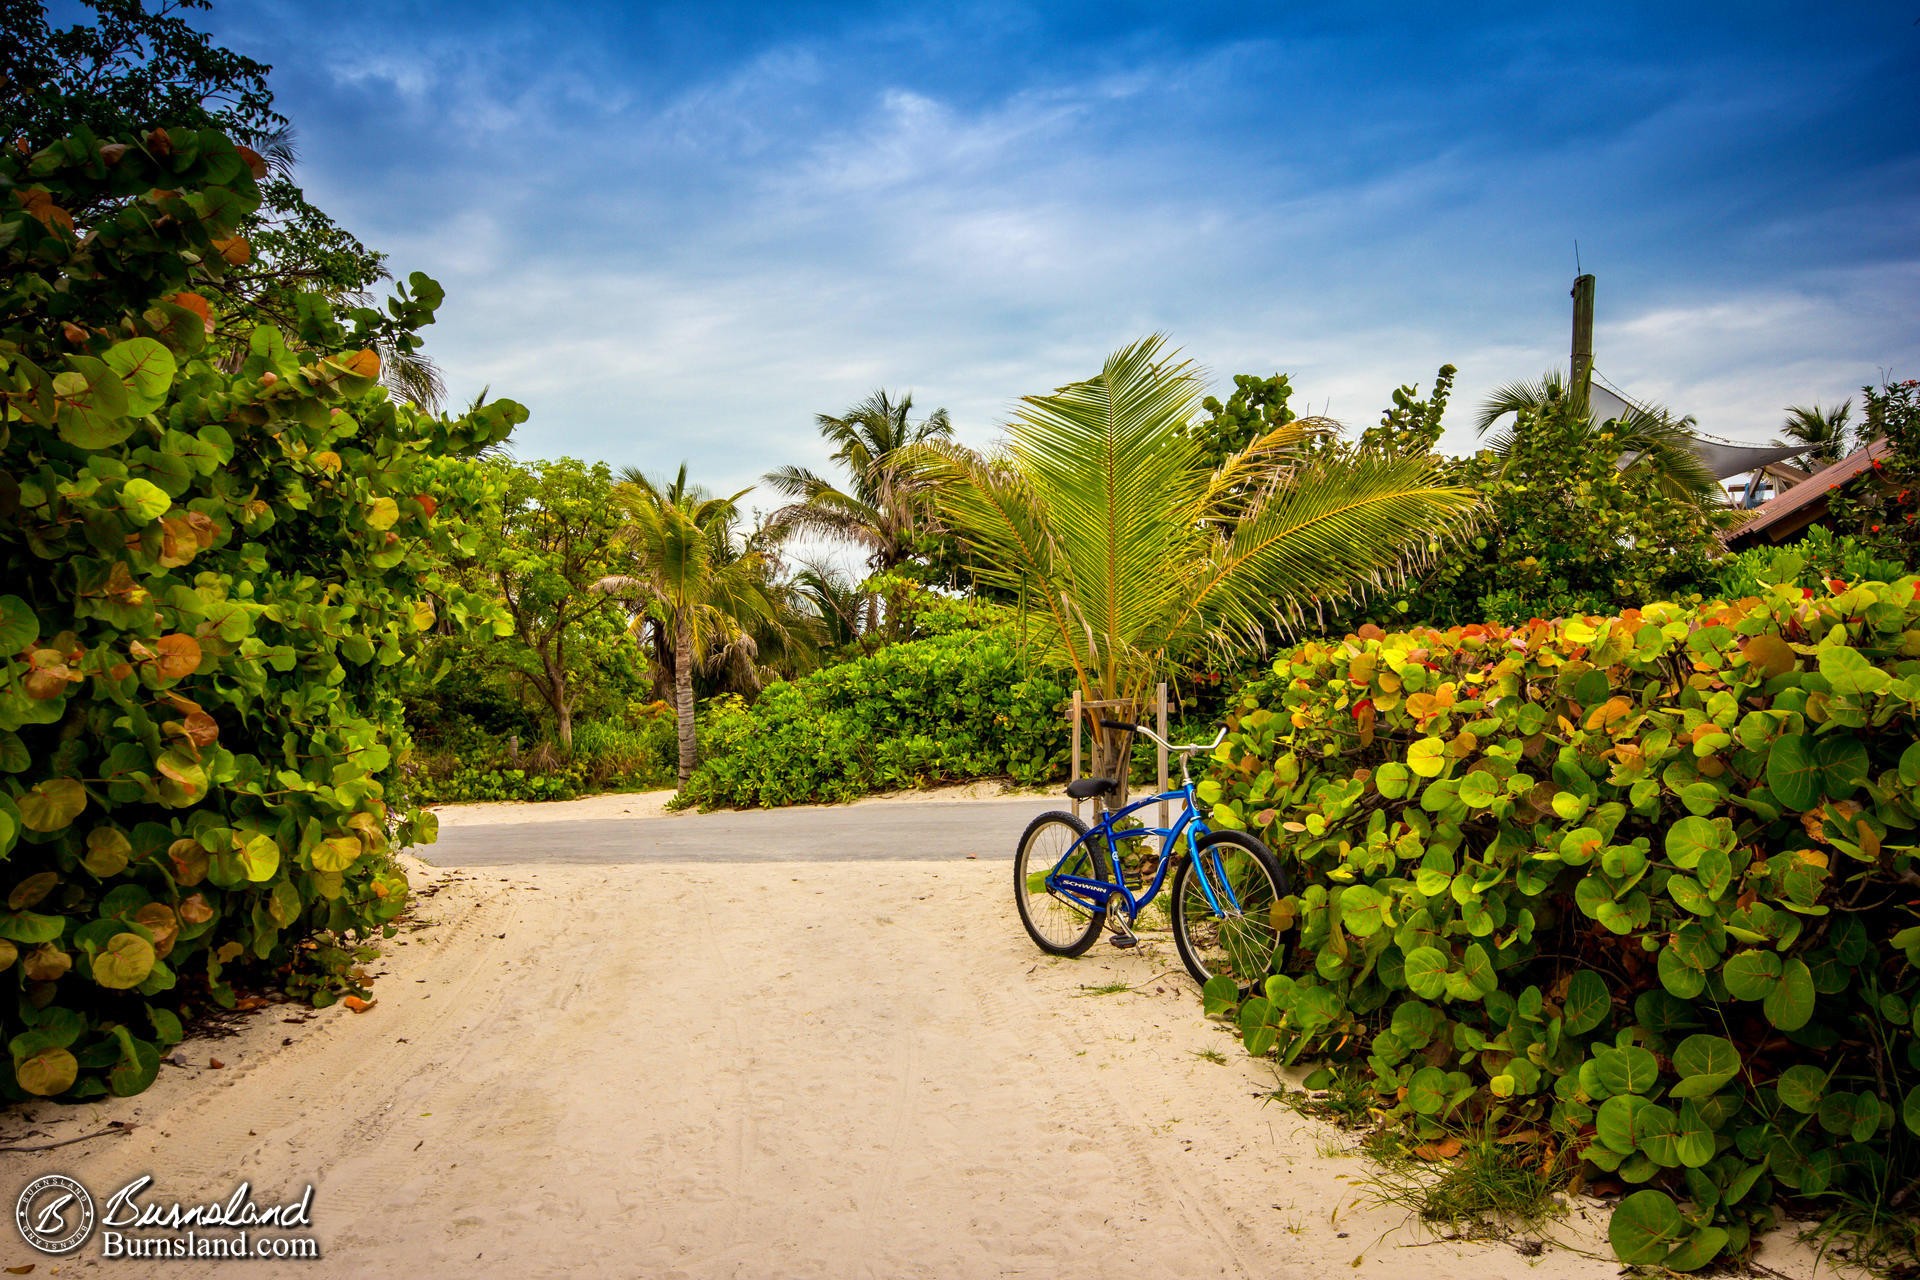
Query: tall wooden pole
x,y
1582,333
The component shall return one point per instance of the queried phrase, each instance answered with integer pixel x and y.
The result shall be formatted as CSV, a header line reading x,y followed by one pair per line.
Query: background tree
x,y
1139,555
1255,407
1827,433
1881,507
885,510
554,529
128,67
1568,531
1651,439
696,592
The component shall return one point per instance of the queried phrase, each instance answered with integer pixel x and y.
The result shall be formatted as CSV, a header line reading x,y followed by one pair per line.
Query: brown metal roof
x,y
1789,512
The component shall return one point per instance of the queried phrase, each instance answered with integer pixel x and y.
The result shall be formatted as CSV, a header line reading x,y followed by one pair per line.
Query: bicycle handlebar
x,y
1151,736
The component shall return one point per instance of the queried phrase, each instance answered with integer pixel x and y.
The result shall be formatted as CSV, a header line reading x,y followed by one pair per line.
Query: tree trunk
x,y
1111,758
562,705
683,698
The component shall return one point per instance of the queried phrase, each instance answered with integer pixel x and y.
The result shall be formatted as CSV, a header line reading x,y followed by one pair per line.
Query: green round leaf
x,y
1392,779
1479,789
1751,975
52,804
1698,1249
1793,775
1693,1142
1426,972
259,857
1588,1003
1910,1112
1789,1004
146,370
1618,1122
1627,1070
143,501
1656,1131
1427,757
1848,671
1704,1063
139,1063
1679,978
1645,1228
1801,1087
18,626
1427,1091
1689,838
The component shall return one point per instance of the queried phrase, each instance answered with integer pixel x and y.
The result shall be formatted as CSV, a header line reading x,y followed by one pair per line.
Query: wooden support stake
x,y
1073,771
1161,749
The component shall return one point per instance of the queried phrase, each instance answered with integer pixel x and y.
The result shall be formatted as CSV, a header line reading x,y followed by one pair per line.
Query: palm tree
x,y
1138,556
1649,439
699,593
884,510
832,596
1827,433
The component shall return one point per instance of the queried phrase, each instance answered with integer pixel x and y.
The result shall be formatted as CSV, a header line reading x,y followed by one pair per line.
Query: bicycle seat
x,y
1088,788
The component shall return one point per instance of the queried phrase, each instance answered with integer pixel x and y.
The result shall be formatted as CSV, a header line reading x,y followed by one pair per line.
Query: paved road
x,y
933,831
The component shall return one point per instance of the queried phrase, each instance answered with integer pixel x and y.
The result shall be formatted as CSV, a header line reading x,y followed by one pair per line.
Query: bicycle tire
x,y
1057,926
1242,946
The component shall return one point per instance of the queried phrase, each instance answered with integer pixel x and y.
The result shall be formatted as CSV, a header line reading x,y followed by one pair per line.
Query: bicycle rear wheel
x,y
1242,939
1058,925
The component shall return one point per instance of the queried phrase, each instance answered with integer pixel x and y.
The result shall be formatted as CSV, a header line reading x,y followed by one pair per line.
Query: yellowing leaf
x,y
382,512
124,962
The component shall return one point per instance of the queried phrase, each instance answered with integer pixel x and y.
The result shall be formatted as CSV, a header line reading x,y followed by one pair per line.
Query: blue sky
x,y
678,232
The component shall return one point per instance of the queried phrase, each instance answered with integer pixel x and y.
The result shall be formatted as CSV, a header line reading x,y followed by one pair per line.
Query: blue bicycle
x,y
1227,893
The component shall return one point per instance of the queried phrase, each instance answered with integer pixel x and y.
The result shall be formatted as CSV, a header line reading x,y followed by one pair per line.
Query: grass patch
x,y
1214,1056
1476,1185
1104,989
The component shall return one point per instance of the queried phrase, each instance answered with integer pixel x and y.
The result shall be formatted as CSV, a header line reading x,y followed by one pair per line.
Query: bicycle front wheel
x,y
1057,924
1240,940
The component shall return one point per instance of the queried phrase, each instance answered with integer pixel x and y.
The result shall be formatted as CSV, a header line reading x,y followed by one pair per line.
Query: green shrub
x,y
1815,560
1644,883
215,565
606,756
956,706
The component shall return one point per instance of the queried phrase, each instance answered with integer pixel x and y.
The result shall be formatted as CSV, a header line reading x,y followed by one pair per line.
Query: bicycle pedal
x,y
1124,940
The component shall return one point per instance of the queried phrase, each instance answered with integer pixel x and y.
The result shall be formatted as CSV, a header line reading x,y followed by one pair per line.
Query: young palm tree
x,y
835,599
1827,433
1137,556
884,510
1650,438
699,594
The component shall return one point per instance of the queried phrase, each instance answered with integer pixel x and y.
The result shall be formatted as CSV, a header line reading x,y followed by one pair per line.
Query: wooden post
x,y
1161,749
1073,770
1582,334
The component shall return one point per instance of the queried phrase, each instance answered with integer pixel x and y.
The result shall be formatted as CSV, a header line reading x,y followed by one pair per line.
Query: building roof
x,y
1780,517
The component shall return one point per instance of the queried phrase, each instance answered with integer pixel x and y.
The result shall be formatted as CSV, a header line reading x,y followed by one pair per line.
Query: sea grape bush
x,y
213,573
952,707
1644,884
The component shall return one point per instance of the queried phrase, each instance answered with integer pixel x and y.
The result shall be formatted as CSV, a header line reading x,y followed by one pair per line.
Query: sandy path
x,y
819,1069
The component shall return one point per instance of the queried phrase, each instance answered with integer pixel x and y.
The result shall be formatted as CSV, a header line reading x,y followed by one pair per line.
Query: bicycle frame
x,y
1094,895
